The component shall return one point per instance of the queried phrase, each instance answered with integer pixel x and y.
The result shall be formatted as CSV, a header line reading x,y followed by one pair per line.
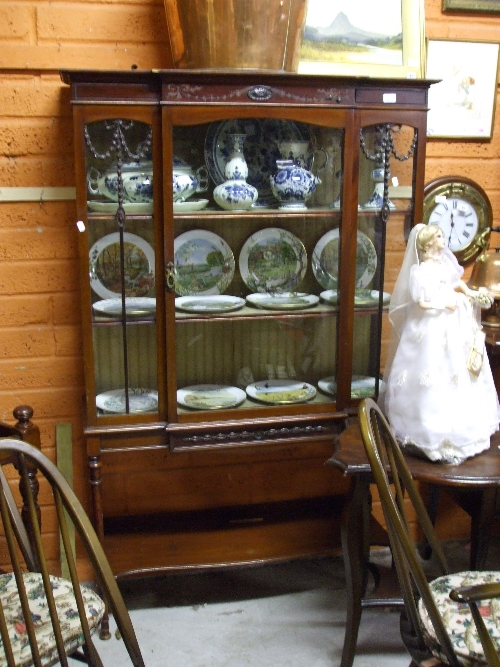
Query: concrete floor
x,y
282,615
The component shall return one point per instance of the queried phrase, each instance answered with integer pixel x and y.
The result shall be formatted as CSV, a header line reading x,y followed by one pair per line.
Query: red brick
x,y
33,373
25,95
19,311
38,243
24,171
26,342
66,308
16,21
34,136
58,405
68,341
38,276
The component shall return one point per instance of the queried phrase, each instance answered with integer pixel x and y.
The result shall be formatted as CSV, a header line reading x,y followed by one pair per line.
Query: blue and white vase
x,y
235,194
292,185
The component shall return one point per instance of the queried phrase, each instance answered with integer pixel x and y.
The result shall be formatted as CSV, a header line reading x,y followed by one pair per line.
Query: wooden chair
x,y
44,618
445,620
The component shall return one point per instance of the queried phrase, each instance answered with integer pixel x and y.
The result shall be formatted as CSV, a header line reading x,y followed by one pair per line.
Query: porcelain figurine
x,y
137,180
186,180
235,194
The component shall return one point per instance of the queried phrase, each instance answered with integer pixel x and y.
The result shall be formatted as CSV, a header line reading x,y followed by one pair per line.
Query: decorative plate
x,y
190,205
139,269
362,386
140,400
285,301
204,263
209,304
134,307
132,208
325,260
361,298
210,396
281,391
260,149
273,261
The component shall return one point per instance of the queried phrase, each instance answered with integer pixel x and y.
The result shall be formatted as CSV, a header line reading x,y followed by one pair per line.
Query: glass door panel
x,y
387,163
256,281
120,233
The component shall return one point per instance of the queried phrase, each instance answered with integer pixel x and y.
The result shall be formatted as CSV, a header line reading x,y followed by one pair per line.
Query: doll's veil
x,y
398,306
401,300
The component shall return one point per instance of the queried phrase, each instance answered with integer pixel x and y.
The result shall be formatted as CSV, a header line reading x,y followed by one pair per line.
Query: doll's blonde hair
x,y
425,236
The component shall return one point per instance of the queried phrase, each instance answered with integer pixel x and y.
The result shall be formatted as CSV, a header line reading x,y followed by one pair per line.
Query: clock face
x,y
463,211
458,220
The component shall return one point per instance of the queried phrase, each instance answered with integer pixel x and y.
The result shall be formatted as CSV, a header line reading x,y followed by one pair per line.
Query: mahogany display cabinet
x,y
240,233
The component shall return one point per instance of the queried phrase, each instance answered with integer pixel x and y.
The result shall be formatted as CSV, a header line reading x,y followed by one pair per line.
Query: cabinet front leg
x,y
97,519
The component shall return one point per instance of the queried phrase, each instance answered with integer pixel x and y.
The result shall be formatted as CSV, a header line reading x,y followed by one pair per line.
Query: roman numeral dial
x,y
463,211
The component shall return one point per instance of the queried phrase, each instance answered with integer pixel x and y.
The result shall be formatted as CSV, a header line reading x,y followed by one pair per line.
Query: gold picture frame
x,y
462,103
486,6
364,38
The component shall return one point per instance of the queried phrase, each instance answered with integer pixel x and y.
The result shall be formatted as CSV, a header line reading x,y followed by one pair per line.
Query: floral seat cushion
x,y
457,617
66,609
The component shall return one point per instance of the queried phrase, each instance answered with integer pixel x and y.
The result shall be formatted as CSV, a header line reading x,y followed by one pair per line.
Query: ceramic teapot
x,y
186,180
137,179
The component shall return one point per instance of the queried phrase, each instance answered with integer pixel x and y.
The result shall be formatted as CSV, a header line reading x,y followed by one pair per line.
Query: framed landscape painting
x,y
462,104
364,38
471,6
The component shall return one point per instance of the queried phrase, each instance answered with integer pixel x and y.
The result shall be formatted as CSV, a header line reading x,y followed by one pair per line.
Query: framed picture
x,y
462,104
364,38
471,5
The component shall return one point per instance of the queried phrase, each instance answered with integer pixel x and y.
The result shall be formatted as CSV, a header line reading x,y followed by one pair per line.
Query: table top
x,y
482,470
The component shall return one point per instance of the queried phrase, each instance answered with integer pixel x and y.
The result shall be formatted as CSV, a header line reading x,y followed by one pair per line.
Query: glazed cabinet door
x,y
119,204
388,176
254,254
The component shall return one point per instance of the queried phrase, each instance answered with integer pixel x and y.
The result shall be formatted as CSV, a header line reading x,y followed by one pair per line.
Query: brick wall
x,y
40,345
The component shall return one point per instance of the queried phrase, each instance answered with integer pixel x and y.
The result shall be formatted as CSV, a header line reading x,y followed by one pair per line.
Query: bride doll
x,y
439,394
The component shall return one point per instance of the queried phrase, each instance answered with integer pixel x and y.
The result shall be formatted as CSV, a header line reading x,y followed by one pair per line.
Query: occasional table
x,y
473,483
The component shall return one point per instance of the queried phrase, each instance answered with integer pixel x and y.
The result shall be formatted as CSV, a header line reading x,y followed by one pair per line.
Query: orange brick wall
x,y
40,342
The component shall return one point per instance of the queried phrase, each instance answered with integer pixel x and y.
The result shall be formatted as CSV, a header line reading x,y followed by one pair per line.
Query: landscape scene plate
x,y
219,303
204,263
140,400
210,396
325,260
132,208
362,386
285,301
260,149
138,270
190,205
272,261
281,391
134,307
363,298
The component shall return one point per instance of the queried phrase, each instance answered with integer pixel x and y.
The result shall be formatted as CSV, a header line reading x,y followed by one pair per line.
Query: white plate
x,y
189,206
286,301
204,263
325,260
132,208
362,300
139,273
210,396
134,307
273,261
260,149
362,386
140,400
281,391
219,303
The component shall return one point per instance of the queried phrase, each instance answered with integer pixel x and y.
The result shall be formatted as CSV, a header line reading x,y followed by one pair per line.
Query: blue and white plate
x,y
260,149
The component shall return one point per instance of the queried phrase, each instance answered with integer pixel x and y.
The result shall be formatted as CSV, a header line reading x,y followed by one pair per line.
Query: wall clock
x,y
463,211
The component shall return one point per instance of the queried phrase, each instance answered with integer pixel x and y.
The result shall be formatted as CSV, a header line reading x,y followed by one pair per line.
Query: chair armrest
x,y
475,593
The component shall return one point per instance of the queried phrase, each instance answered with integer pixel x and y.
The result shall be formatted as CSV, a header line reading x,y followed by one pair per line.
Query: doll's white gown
x,y
432,400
